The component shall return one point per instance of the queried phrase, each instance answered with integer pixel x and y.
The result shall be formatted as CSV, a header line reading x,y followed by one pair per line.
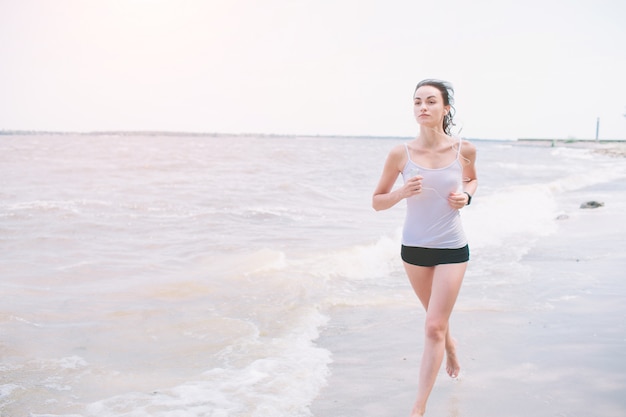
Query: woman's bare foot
x,y
452,363
416,412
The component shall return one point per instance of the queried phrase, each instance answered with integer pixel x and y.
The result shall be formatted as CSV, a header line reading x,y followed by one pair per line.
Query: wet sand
x,y
563,356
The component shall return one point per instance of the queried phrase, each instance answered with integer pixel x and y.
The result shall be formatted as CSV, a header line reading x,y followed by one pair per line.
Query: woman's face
x,y
428,107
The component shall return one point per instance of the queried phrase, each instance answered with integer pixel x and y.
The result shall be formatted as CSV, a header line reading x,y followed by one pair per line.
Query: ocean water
x,y
184,276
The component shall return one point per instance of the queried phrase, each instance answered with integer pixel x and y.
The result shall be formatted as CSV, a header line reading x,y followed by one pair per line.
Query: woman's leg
x,y
437,288
422,285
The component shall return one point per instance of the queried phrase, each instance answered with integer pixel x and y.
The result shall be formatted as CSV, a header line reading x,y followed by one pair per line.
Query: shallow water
x,y
170,276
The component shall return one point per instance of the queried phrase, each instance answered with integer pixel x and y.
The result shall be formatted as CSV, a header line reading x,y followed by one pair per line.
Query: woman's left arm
x,y
470,179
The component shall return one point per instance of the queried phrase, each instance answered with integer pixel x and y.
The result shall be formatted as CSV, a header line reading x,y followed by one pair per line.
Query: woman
x,y
439,179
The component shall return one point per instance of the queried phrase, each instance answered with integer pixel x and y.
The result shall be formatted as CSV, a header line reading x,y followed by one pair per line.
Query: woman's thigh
x,y
421,279
439,284
446,285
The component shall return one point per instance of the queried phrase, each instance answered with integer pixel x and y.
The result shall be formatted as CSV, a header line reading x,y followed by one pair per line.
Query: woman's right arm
x,y
384,197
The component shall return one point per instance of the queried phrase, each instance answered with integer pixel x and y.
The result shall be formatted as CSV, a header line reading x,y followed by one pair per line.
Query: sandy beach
x,y
613,149
562,355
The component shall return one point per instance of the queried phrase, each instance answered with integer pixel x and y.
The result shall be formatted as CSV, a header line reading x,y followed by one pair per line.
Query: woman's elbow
x,y
377,204
374,205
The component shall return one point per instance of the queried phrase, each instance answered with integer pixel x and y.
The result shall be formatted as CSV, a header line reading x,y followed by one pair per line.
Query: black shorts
x,y
430,257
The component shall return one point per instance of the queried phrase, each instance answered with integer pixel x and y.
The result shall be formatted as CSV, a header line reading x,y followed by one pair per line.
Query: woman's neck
x,y
431,137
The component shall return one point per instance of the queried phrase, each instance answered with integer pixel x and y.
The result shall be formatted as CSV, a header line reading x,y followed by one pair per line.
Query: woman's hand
x,y
412,187
458,200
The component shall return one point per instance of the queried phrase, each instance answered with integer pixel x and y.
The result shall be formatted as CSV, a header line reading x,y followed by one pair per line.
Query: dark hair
x,y
447,92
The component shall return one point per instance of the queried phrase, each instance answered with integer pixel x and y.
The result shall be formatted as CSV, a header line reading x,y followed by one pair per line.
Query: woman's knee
x,y
435,329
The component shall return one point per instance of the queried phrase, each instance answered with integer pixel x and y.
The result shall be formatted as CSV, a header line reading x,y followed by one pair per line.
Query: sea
x,y
172,275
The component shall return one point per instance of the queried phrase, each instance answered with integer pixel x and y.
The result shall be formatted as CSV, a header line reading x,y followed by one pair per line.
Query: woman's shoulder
x,y
398,155
467,144
468,149
398,151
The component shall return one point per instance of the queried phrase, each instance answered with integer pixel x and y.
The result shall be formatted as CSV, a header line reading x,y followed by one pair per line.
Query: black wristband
x,y
469,198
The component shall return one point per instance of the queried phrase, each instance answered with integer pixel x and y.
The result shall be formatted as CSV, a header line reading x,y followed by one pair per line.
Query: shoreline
x,y
562,353
616,148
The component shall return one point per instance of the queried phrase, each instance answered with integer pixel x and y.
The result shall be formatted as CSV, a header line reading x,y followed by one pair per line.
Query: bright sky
x,y
534,68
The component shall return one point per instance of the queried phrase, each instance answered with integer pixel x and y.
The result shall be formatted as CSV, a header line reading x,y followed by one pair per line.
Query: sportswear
x,y
430,221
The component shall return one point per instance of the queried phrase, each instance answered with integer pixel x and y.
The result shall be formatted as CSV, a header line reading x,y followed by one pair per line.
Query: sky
x,y
520,69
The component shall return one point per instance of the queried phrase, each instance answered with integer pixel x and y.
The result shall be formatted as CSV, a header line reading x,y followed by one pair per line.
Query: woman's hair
x,y
447,92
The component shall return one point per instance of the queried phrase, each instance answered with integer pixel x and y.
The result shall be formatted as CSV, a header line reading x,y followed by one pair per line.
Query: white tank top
x,y
430,221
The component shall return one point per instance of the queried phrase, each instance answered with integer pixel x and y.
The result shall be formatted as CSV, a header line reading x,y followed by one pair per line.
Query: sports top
x,y
430,221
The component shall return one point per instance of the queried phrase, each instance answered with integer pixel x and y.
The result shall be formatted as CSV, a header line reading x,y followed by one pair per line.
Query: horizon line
x,y
16,132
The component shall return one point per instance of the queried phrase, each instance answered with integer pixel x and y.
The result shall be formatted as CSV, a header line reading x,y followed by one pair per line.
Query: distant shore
x,y
615,147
